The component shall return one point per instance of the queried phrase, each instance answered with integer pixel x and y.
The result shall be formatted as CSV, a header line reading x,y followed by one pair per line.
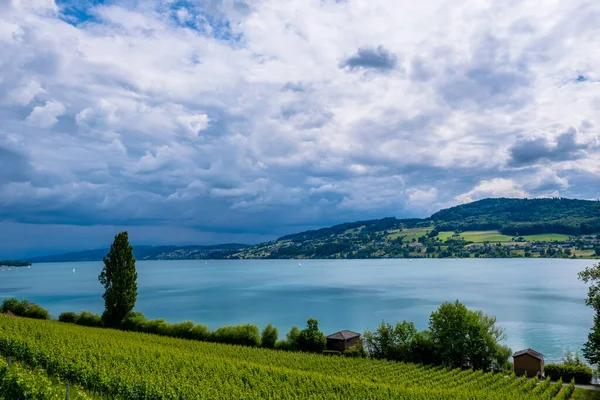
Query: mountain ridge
x,y
373,238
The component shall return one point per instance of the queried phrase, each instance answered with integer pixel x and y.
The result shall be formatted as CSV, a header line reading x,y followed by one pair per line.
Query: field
x,y
495,237
140,366
410,233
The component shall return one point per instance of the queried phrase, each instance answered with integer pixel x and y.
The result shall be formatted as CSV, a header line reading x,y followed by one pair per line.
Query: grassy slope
x,y
495,237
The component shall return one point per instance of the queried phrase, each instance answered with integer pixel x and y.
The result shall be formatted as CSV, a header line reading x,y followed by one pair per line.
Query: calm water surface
x,y
539,302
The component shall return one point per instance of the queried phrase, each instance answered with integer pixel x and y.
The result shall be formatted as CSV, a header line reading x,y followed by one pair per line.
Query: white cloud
x,y
46,116
24,95
254,112
194,124
497,187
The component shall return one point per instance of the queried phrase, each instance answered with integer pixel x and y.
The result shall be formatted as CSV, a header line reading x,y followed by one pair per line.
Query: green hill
x,y
522,216
499,227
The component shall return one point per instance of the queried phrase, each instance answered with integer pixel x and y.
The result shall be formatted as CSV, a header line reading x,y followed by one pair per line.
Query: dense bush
x,y
311,339
200,332
245,335
88,319
269,336
181,330
581,374
24,308
68,317
37,312
356,351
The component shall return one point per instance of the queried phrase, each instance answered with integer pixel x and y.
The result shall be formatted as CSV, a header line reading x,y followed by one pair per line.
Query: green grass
x,y
583,394
410,234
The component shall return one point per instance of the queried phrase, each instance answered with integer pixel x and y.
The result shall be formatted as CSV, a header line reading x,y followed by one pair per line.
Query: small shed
x,y
528,361
342,340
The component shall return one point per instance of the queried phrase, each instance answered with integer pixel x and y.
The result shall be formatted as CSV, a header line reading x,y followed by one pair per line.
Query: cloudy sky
x,y
241,120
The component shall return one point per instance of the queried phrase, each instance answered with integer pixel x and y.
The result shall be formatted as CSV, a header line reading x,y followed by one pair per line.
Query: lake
x,y
540,302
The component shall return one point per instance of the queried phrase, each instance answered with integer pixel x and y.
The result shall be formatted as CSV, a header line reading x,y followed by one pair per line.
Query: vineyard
x,y
140,366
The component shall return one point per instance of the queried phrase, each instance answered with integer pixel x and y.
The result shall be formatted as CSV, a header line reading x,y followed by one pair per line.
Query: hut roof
x,y
343,335
531,352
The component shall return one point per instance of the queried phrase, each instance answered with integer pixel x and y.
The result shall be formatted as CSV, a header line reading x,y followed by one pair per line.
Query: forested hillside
x,y
522,216
500,227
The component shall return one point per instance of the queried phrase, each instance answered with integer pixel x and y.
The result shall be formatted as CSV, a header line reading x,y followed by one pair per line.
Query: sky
x,y
202,122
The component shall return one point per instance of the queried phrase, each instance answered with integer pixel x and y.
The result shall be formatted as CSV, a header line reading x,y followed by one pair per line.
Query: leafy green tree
x,y
119,279
391,342
311,339
591,348
597,251
463,338
269,336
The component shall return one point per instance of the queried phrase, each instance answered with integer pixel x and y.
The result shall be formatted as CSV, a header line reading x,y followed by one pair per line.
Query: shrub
x,y
14,306
24,308
68,317
156,326
284,345
269,336
581,374
37,312
134,321
182,330
356,351
200,332
245,335
88,319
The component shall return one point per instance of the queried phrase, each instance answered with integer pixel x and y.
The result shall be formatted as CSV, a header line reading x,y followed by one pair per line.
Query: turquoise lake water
x,y
540,302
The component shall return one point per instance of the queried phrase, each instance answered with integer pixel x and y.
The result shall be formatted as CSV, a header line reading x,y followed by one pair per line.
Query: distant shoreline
x,y
332,259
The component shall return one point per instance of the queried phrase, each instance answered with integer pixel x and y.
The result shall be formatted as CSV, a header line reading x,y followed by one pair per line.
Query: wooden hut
x,y
342,340
528,361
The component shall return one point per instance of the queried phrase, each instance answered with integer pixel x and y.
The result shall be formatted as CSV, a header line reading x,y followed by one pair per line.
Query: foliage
x,y
568,391
311,339
522,216
14,263
119,279
573,359
356,351
291,342
68,317
86,318
581,374
391,342
463,338
269,336
18,382
591,348
23,308
131,365
246,335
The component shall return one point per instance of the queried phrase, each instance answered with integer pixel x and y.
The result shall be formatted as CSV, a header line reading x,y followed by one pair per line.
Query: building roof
x,y
343,335
531,352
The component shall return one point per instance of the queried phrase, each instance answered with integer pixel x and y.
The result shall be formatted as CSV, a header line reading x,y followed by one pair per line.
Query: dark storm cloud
x,y
378,58
14,167
528,150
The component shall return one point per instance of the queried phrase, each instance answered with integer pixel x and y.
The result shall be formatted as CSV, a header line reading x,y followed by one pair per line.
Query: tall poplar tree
x,y
119,279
